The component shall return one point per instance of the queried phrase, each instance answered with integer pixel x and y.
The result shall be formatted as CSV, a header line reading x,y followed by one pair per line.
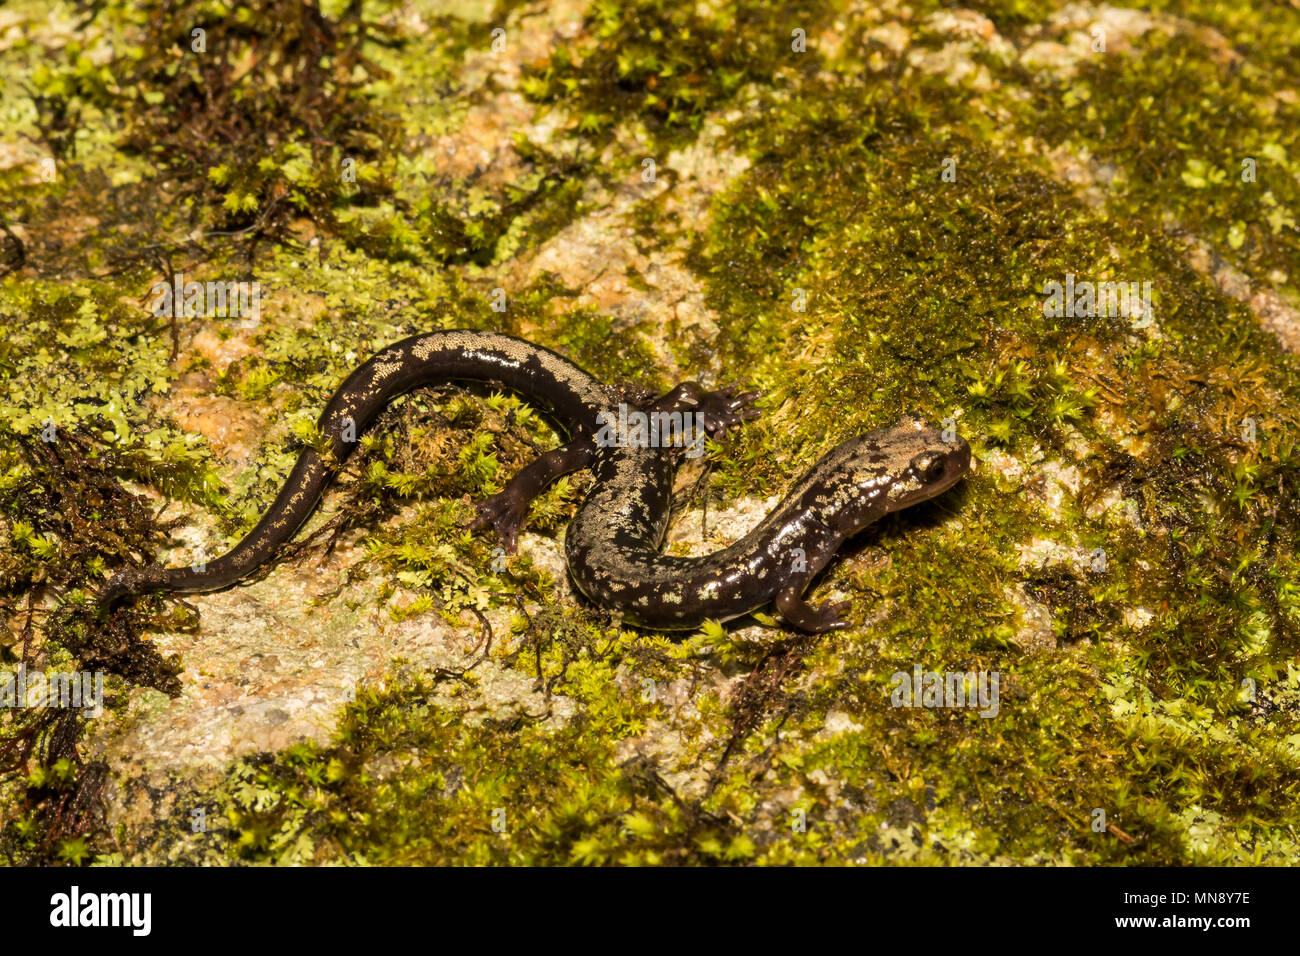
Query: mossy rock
x,y
859,208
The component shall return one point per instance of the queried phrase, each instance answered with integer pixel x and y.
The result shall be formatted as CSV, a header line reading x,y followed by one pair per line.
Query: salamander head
x,y
894,468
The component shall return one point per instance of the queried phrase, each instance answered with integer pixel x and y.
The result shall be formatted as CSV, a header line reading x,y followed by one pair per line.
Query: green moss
x,y
275,85
667,66
1221,159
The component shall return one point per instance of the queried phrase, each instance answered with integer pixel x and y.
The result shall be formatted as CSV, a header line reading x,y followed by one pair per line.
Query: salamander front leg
x,y
824,617
508,508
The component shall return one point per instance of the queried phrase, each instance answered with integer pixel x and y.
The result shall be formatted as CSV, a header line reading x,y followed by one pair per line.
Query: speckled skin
x,y
613,543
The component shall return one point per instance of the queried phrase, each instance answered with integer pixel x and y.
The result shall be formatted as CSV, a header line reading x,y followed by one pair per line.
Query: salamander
x,y
613,546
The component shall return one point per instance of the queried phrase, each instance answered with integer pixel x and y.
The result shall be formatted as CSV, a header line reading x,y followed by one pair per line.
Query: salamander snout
x,y
935,462
928,466
942,465
899,466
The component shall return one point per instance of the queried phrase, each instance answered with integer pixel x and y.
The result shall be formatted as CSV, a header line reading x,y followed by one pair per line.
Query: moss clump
x,y
481,228
668,66
407,783
1225,166
256,111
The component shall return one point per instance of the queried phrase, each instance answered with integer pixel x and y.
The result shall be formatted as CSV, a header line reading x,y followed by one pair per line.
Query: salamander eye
x,y
928,466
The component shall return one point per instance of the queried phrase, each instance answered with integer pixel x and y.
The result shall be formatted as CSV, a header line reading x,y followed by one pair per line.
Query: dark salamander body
x,y
613,543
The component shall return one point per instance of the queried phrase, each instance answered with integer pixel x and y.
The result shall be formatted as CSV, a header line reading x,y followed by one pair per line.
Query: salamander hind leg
x,y
507,510
819,619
